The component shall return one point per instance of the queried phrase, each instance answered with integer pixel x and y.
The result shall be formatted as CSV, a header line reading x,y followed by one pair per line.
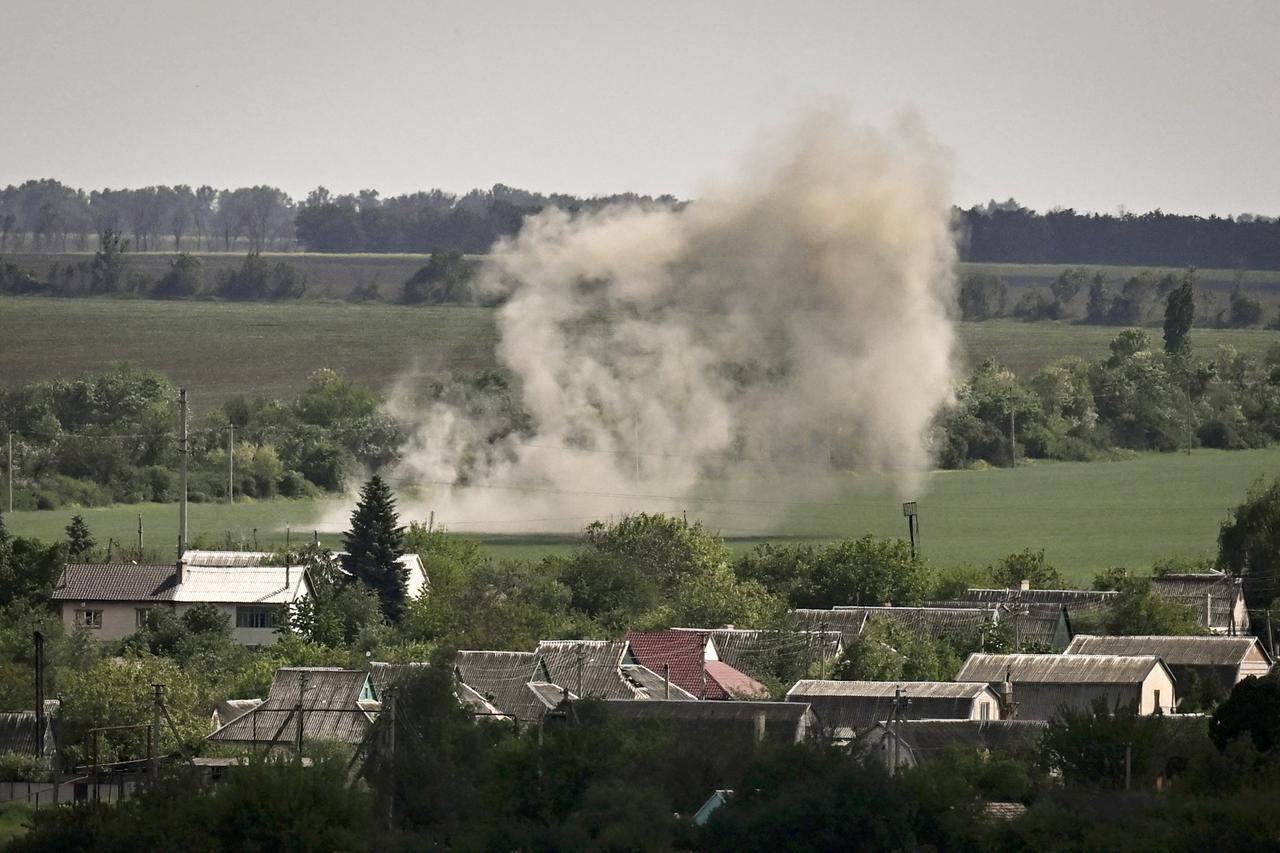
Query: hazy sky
x,y
1088,105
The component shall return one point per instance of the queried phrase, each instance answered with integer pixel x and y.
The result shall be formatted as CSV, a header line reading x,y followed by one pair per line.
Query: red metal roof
x,y
684,652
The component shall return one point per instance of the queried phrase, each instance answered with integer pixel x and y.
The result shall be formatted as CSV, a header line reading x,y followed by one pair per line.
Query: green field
x,y
220,349
1087,516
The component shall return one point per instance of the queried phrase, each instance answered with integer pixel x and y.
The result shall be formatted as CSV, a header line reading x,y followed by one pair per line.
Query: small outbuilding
x,y
1211,665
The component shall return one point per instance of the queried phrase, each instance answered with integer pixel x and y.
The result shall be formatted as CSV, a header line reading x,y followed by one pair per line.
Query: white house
x,y
112,600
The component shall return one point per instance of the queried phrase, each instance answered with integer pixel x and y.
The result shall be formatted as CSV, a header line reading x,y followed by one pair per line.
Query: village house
x,y
516,685
598,669
112,600
691,662
916,743
845,709
1211,665
416,577
1216,598
336,704
967,624
722,722
1043,684
1031,625
760,654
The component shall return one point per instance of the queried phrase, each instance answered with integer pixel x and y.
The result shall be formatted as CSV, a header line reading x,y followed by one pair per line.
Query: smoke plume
x,y
791,322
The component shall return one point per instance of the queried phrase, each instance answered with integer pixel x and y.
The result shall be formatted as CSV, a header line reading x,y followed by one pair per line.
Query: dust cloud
x,y
794,321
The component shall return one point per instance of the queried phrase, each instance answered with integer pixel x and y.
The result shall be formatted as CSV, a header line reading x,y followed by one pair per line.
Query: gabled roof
x,y
784,722
383,675
1174,651
241,585
600,661
935,622
1046,623
1216,590
686,654
649,685
1073,598
1059,669
19,734
845,708
115,582
336,706
503,678
759,653
931,739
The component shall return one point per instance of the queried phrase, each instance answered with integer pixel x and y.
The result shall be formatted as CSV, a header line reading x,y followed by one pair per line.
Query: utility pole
x,y
39,644
140,540
154,750
1186,367
389,702
182,505
579,670
231,465
909,509
10,473
302,694
1013,441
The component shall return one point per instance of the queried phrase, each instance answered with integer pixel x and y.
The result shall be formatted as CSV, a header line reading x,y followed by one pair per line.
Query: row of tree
x,y
46,215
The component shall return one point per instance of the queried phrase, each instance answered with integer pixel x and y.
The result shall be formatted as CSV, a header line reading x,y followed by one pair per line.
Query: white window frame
x,y
89,618
140,616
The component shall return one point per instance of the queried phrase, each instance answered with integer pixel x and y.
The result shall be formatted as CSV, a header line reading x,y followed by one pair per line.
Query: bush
x,y
21,767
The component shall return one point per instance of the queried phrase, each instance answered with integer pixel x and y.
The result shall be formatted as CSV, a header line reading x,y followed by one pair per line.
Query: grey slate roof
x,y
929,740
383,675
115,582
503,679
785,722
1047,624
1194,651
961,623
760,653
845,708
1074,599
332,703
649,685
1216,589
18,733
600,659
1058,669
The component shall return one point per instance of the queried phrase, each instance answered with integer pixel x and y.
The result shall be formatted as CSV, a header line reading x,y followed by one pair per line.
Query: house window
x,y
88,618
986,711
1157,709
140,616
255,617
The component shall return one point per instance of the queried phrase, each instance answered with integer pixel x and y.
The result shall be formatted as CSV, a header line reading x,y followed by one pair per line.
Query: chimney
x,y
1006,694
182,572
286,575
1024,584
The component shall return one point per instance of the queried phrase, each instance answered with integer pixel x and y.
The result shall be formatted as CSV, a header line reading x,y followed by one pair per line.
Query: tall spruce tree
x,y
372,545
1179,315
79,540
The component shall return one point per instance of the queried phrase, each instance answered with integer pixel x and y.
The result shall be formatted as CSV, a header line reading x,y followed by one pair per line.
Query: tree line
x,y
47,216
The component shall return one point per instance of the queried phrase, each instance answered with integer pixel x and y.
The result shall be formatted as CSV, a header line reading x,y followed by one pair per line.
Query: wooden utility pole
x,y
302,695
156,708
389,702
10,469
1013,441
231,464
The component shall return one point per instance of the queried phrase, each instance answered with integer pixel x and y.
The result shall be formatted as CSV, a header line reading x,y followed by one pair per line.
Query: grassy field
x,y
1087,516
13,821
219,349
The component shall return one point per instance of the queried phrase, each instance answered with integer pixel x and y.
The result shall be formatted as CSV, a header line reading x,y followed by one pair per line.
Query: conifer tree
x,y
79,540
372,545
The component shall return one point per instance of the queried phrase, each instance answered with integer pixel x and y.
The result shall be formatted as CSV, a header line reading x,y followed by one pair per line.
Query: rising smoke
x,y
794,318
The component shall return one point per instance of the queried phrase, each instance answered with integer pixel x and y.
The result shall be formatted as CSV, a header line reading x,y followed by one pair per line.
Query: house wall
x,y
243,636
1158,680
1255,663
119,618
992,705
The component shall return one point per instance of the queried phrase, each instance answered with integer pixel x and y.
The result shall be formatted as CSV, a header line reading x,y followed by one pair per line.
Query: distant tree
x,y
1249,544
1097,310
864,571
1253,710
373,547
79,540
982,297
1025,565
1087,745
109,265
887,651
1139,611
28,568
1243,310
445,278
182,280
1179,315
1065,288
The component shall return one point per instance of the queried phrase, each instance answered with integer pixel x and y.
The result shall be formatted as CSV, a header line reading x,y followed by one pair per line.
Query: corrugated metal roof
x,y
761,654
18,733
737,684
230,559
649,685
1045,623
932,739
383,675
115,582
1215,589
1073,598
1058,669
231,709
600,661
845,708
240,585
502,678
683,652
332,704
785,722
1195,651
966,623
